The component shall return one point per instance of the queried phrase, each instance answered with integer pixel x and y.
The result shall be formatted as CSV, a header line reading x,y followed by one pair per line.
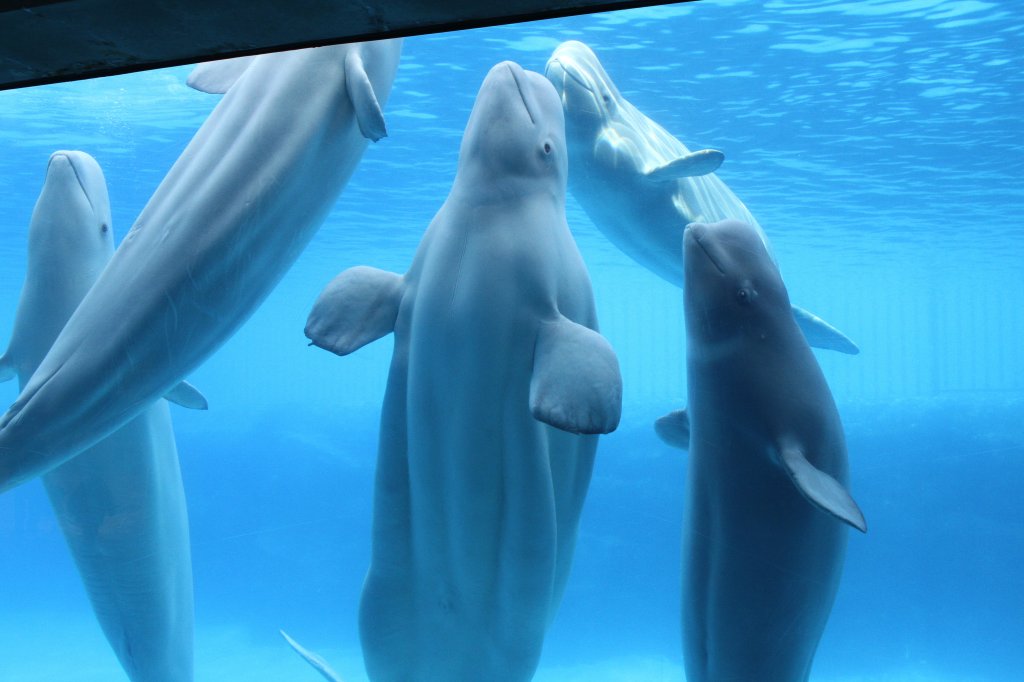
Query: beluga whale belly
x,y
639,184
498,385
767,506
232,214
120,503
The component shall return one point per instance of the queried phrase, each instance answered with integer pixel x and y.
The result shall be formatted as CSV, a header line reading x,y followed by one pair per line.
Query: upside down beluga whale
x,y
230,217
120,503
639,184
498,387
767,505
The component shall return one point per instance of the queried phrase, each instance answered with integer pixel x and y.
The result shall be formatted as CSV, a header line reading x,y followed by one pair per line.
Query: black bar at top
x,y
49,41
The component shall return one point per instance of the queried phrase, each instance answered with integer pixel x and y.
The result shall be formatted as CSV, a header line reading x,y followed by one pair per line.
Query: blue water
x,y
881,146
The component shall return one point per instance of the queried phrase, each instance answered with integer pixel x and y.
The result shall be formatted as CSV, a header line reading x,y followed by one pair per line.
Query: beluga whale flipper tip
x,y
639,184
767,503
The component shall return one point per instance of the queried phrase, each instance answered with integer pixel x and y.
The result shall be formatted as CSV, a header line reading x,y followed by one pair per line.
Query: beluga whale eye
x,y
745,295
547,147
104,228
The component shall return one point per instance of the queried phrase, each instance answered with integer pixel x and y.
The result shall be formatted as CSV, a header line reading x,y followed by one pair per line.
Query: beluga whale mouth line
x,y
569,69
704,248
522,95
70,159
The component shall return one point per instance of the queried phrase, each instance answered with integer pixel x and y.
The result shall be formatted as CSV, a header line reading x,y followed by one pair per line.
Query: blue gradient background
x,y
881,146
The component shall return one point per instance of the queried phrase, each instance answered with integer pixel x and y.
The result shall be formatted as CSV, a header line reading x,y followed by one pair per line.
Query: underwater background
x,y
881,146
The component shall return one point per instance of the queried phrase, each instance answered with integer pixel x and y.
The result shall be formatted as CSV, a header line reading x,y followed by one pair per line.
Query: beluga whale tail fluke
x,y
228,220
639,184
767,499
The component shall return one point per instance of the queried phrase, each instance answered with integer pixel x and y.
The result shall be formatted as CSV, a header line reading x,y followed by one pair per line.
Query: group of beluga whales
x,y
499,384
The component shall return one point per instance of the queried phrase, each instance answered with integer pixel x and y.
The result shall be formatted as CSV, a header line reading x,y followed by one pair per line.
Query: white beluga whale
x,y
498,385
230,217
639,184
767,506
120,503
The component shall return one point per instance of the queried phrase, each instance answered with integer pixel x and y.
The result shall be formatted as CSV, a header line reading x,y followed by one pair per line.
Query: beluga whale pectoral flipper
x,y
228,220
498,387
639,184
767,503
120,504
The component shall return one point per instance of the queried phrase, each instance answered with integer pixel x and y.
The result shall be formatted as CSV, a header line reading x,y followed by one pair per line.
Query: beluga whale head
x,y
69,244
733,288
73,209
515,135
583,85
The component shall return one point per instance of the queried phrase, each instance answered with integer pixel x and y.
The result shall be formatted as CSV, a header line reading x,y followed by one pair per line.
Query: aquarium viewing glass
x,y
879,145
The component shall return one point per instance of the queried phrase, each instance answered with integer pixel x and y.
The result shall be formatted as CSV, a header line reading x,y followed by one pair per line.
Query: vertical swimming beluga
x,y
767,500
120,503
499,385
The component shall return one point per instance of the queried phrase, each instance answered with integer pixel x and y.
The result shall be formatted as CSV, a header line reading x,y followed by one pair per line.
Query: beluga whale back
x,y
120,503
232,214
767,505
639,184
497,367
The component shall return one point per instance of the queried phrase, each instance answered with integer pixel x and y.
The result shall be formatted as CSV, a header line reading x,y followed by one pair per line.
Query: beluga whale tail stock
x,y
639,184
499,386
767,500
120,504
228,220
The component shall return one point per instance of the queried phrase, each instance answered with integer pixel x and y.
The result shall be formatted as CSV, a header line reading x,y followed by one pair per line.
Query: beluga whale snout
x,y
518,76
732,283
697,234
582,81
77,173
512,139
733,247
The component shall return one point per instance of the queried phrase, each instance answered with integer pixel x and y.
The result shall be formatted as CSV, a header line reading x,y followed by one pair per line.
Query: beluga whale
x,y
120,504
232,214
498,387
639,184
767,505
